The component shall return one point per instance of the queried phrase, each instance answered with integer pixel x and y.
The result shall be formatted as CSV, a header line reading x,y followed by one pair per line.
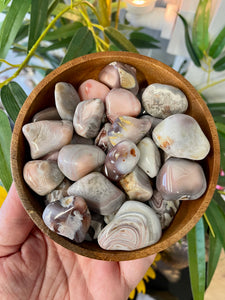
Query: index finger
x,y
15,224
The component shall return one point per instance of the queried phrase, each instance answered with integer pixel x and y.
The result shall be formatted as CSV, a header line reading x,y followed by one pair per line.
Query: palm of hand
x,y
34,267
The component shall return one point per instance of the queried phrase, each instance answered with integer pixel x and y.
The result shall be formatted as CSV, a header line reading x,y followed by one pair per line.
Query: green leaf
x,y
218,44
221,180
82,43
38,19
5,140
196,257
200,34
142,40
119,40
216,218
219,200
219,65
189,45
222,150
22,33
214,254
3,4
56,45
13,97
221,128
11,24
217,106
63,32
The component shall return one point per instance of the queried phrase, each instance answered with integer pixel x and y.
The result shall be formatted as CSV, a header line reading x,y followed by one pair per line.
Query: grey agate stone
x,y
101,195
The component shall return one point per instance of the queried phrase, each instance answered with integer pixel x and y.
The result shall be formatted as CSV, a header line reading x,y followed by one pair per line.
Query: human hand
x,y
32,266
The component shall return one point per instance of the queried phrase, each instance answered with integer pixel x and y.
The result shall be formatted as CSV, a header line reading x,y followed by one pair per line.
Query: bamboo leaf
x,y
200,34
119,40
11,24
214,254
13,97
82,43
218,44
216,218
38,18
219,65
63,32
142,40
196,256
5,140
189,45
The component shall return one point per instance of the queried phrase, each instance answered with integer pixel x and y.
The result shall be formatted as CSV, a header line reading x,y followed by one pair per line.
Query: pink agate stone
x,y
91,89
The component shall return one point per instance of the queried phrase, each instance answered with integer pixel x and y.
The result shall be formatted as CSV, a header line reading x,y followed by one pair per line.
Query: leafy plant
x,y
209,56
34,28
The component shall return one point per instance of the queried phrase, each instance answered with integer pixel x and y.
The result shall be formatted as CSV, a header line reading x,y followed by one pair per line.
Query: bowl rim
x,y
106,254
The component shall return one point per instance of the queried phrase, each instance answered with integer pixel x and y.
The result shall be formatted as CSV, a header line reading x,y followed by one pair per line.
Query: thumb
x,y
15,224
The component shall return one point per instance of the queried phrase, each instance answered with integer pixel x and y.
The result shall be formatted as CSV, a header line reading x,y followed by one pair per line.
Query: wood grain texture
x,y
148,71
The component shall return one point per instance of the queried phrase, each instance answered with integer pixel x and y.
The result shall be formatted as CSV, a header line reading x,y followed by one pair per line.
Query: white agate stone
x,y
134,226
76,161
181,136
101,195
150,160
181,179
42,176
161,100
66,100
47,136
137,185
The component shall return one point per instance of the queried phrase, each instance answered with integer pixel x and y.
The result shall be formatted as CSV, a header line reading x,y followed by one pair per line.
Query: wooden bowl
x,y
148,71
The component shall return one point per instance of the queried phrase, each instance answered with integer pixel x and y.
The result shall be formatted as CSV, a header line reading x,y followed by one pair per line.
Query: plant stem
x,y
8,63
210,226
35,46
117,14
211,85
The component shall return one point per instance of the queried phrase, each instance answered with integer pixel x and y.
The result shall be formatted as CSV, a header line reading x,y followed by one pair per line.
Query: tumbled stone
x,y
166,210
181,179
102,139
69,217
66,100
47,136
162,100
181,136
121,160
59,192
97,224
134,226
121,102
42,176
101,195
77,139
49,113
120,75
76,161
93,89
88,117
128,128
150,160
137,185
